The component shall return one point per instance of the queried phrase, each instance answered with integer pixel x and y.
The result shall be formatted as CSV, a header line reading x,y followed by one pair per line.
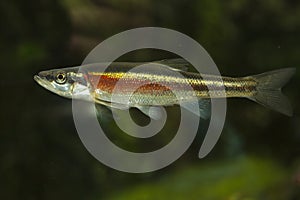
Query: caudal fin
x,y
269,90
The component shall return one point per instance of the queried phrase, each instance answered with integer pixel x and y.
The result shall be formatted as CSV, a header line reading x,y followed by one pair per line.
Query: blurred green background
x,y
42,157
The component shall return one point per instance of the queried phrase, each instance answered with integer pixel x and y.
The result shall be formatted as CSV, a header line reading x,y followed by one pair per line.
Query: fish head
x,y
59,81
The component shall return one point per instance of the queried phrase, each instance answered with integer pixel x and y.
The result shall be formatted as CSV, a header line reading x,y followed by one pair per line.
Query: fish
x,y
155,88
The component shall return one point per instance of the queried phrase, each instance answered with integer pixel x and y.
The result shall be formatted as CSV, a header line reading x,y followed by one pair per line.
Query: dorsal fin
x,y
177,64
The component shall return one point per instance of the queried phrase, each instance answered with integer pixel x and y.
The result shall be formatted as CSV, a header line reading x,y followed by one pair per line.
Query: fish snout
x,y
36,78
42,79
42,74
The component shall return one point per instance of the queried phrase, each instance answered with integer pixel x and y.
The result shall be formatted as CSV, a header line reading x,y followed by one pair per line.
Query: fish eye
x,y
61,78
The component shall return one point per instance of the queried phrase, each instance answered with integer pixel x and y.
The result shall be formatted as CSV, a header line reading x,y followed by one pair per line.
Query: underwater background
x,y
41,155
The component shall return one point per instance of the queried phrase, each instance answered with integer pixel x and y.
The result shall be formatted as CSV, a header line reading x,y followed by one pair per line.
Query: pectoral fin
x,y
111,105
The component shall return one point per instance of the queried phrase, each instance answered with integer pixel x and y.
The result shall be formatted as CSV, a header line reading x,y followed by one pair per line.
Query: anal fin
x,y
154,112
203,105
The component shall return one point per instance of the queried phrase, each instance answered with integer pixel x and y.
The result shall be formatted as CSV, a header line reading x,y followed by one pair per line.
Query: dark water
x,y
42,157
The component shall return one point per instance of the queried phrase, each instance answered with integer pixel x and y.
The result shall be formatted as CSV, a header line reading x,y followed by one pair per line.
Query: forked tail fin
x,y
269,90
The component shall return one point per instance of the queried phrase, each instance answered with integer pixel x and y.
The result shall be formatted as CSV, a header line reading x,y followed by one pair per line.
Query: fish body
x,y
158,88
155,90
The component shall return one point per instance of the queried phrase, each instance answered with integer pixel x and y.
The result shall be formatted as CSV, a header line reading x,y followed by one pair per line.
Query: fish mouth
x,y
41,81
44,83
36,78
